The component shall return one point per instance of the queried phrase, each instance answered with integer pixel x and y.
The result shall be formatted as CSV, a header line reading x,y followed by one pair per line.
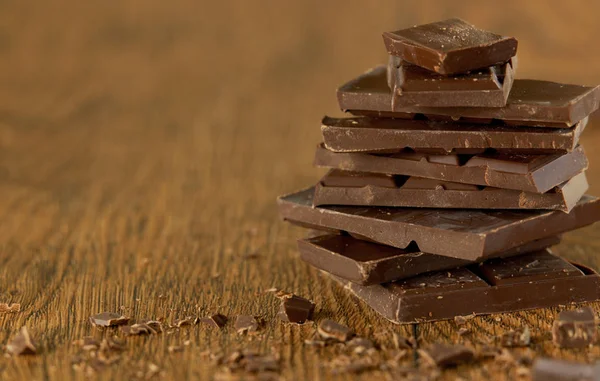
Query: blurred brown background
x,y
143,143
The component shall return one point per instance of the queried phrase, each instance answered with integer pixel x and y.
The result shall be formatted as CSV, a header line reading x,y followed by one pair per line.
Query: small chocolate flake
x,y
575,328
215,321
246,324
138,329
295,309
190,320
108,319
328,329
445,355
14,307
21,344
518,338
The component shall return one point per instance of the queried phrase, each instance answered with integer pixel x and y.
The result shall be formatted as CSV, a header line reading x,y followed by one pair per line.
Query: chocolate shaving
x,y
246,324
518,338
22,344
5,308
215,321
108,319
328,329
444,355
295,309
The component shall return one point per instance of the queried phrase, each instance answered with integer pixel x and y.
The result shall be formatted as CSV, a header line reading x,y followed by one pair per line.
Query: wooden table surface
x,y
143,144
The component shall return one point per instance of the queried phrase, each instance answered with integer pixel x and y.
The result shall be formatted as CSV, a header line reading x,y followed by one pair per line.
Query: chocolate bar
x,y
529,173
530,103
535,280
412,85
450,46
373,189
465,234
367,263
386,135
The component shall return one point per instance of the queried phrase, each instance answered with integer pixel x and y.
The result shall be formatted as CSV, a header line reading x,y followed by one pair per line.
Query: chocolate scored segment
x,y
460,233
530,103
367,263
529,173
548,281
387,135
372,189
412,85
449,46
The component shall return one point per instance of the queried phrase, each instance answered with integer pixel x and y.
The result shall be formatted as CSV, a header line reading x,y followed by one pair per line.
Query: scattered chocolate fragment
x,y
449,46
445,355
462,320
13,307
190,320
559,370
295,309
518,338
138,329
360,345
328,329
21,344
246,324
109,319
575,328
215,321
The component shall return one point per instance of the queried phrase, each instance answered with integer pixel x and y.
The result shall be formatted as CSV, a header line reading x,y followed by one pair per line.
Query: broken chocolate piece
x,y
444,355
386,135
215,321
368,263
463,234
109,319
449,46
295,309
518,338
21,344
329,329
367,189
575,328
246,324
412,85
530,102
559,370
529,173
479,290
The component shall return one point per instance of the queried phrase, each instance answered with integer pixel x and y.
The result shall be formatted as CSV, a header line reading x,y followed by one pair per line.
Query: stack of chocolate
x,y
450,181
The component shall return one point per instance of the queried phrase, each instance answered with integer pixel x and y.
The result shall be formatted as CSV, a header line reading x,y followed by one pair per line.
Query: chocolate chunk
x,y
518,338
529,173
295,309
366,189
109,319
463,234
215,321
480,290
386,135
412,85
21,344
560,370
444,355
328,329
449,46
530,102
246,324
575,328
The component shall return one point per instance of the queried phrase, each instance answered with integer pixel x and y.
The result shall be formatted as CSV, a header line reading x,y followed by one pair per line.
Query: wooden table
x,y
143,144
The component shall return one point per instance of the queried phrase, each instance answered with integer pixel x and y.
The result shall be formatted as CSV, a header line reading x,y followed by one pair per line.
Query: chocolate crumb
x,y
246,324
21,344
575,328
518,338
215,321
445,355
328,329
295,309
14,307
108,319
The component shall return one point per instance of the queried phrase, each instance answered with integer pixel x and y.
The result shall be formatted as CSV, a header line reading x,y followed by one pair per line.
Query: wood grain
x,y
143,143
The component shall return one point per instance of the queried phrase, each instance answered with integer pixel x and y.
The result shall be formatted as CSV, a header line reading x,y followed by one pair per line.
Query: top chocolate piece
x,y
450,46
530,102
